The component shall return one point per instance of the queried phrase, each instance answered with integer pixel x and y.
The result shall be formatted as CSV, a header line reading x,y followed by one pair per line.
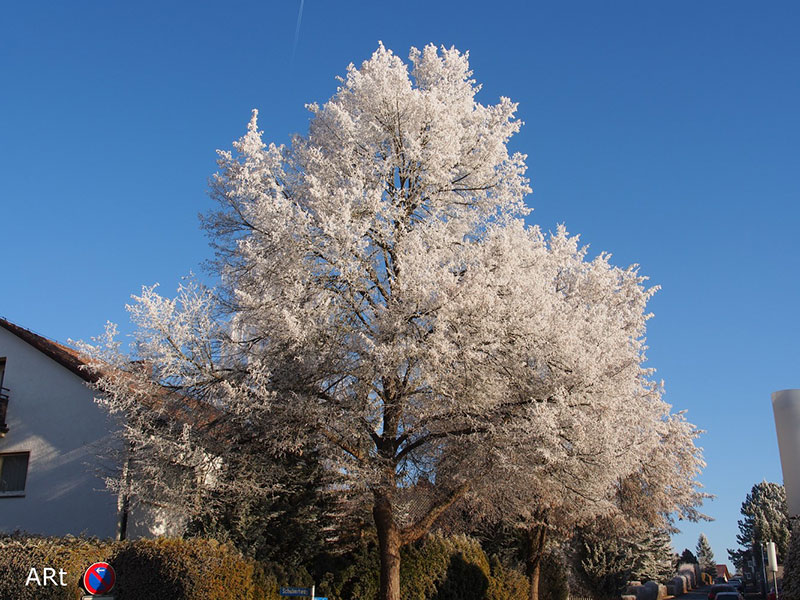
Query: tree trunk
x,y
534,581
536,539
389,548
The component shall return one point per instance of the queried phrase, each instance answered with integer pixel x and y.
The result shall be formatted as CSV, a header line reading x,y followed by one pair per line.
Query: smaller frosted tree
x,y
705,556
608,560
765,519
654,557
603,563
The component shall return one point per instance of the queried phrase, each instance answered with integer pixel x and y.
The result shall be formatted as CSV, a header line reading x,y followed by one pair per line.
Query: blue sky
x,y
663,132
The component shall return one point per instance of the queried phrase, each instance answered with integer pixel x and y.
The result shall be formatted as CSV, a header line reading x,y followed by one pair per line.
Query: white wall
x,y
52,415
786,408
151,521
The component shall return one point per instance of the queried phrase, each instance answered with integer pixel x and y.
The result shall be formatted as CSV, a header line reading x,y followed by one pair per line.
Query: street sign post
x,y
99,578
295,591
298,591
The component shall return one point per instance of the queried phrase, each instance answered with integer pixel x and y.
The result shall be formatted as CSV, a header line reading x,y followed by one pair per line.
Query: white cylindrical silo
x,y
786,408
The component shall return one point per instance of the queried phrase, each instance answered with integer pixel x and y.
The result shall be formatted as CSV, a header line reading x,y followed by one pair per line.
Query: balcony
x,y
3,409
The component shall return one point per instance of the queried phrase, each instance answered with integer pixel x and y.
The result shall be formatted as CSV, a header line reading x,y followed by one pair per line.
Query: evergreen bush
x,y
183,569
192,569
506,583
436,568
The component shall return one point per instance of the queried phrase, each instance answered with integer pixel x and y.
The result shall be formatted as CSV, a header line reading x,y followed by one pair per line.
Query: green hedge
x,y
195,569
19,554
438,568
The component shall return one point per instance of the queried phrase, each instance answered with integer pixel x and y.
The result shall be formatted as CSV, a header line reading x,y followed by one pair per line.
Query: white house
x,y
51,468
56,446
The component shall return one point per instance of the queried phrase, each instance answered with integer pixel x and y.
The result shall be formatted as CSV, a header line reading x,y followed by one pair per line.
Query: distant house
x,y
54,445
722,571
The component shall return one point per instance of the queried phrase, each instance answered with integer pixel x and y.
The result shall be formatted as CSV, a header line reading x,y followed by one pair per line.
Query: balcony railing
x,y
3,409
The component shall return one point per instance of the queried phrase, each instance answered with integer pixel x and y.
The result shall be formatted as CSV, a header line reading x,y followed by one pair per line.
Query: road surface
x,y
700,593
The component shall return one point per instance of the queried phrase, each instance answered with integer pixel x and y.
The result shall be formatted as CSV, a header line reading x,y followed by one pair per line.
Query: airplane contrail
x,y
297,29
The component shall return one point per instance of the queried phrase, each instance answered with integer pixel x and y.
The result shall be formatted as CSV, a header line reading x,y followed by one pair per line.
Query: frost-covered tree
x,y
705,556
647,500
607,559
765,519
654,557
604,563
191,461
383,302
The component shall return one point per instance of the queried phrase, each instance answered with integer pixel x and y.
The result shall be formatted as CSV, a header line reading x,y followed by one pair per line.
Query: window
x,y
13,473
3,398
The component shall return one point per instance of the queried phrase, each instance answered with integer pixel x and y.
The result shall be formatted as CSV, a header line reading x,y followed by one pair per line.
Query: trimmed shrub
x,y
191,569
506,583
446,568
22,553
650,590
690,571
679,585
437,568
467,574
194,569
456,567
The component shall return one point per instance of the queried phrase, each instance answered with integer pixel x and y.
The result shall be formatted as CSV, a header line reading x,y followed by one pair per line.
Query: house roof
x,y
64,355
181,408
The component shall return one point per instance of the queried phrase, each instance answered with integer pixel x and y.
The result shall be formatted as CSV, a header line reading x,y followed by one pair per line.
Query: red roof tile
x,y
64,355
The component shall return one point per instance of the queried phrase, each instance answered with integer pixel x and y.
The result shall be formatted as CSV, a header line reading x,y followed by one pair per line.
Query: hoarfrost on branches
x,y
764,518
382,300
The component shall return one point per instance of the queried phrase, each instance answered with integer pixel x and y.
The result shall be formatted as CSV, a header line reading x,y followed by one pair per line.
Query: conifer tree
x,y
705,556
654,557
688,557
605,564
765,519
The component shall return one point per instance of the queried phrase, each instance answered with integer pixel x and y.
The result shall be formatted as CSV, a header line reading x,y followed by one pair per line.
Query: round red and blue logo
x,y
99,578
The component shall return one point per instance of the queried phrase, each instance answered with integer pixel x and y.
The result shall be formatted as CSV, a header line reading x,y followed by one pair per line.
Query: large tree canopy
x,y
383,301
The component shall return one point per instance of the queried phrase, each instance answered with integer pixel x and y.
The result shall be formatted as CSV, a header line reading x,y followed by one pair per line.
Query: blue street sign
x,y
295,591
